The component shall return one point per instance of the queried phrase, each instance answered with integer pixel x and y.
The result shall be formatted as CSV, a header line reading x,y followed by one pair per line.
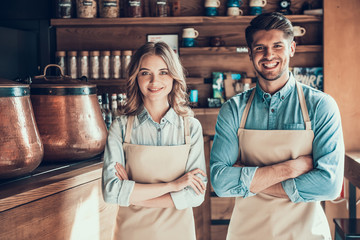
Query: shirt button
x,y
159,129
272,110
282,97
266,95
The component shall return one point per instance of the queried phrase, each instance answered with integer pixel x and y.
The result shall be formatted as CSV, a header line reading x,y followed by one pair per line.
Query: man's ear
x,y
292,48
250,54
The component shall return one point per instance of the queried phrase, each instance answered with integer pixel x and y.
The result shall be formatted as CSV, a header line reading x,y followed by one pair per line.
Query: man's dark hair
x,y
269,21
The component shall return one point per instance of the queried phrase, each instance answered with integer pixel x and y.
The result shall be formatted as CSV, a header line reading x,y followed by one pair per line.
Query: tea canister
x,y
20,143
68,117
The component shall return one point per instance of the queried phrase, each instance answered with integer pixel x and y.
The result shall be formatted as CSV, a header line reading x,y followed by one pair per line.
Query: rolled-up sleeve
x,y
324,182
229,181
187,197
115,191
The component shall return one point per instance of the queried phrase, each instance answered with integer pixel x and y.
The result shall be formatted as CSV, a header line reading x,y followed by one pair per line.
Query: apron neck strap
x,y
246,110
129,126
304,109
187,130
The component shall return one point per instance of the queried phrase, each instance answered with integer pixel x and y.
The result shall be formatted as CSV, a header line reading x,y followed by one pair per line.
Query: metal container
x,y
21,149
68,116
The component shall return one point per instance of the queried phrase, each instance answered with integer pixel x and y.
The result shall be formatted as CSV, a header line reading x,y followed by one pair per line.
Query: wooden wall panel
x,y
341,75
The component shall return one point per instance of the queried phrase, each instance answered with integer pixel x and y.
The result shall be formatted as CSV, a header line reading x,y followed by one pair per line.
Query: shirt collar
x,y
170,116
282,93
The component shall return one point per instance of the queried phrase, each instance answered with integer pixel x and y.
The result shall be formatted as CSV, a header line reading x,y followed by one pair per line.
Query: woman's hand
x,y
121,172
190,179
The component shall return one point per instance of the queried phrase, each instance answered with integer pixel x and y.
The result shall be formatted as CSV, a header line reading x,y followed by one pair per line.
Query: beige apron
x,y
266,217
154,164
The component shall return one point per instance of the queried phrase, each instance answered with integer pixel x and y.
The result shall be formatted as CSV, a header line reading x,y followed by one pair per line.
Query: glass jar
x,y
115,64
86,8
61,61
134,8
105,64
94,66
83,64
161,8
72,64
109,8
64,9
125,60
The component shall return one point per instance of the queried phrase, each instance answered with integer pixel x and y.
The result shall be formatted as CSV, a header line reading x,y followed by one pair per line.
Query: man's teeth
x,y
270,65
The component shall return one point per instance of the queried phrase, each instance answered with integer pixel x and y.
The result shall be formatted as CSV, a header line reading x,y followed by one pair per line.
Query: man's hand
x,y
300,165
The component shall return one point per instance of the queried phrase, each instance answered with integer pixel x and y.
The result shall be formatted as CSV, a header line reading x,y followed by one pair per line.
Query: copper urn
x,y
21,149
68,116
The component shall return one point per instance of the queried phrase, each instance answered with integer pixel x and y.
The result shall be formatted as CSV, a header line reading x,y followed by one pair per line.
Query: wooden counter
x,y
60,201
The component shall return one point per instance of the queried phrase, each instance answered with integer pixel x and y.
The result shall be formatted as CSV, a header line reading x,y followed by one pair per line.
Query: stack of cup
x,y
233,8
256,6
188,37
211,7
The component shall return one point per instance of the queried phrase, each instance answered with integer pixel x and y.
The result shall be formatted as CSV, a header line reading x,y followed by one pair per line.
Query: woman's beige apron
x,y
266,217
154,164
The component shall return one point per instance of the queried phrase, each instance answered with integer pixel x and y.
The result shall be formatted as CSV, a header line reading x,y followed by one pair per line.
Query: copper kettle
x,y
68,116
21,149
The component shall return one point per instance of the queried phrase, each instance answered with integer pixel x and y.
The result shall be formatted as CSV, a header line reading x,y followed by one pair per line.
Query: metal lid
x,y
10,88
60,85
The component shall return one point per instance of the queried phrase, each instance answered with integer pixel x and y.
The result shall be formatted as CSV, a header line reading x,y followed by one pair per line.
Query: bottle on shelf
x,y
83,64
72,64
125,60
94,69
105,64
61,61
115,64
101,106
106,107
114,106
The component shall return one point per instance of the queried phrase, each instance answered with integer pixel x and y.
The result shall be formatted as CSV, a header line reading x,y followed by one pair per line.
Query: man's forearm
x,y
276,190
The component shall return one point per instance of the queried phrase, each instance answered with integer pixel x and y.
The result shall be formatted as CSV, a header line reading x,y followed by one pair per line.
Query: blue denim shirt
x,y
280,111
145,131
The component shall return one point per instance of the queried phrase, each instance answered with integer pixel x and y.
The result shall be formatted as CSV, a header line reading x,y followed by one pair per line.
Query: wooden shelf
x,y
196,20
239,50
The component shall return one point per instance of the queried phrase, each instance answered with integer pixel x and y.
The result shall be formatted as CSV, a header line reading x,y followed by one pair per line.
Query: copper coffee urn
x,y
21,149
68,116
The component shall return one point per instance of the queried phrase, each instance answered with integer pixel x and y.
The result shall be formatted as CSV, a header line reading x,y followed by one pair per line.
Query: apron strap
x,y
304,109
246,110
129,126
187,130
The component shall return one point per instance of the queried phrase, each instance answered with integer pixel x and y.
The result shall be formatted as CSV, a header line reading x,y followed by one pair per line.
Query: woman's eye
x,y
163,73
144,73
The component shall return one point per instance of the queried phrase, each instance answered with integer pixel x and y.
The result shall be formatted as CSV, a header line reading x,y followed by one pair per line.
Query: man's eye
x,y
258,49
278,46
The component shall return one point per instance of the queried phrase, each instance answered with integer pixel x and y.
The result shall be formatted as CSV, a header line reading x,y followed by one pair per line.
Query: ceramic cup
x,y
212,3
299,31
188,36
257,3
234,11
211,11
233,3
216,42
190,33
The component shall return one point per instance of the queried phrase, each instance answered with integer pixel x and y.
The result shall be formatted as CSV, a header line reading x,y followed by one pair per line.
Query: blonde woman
x,y
154,165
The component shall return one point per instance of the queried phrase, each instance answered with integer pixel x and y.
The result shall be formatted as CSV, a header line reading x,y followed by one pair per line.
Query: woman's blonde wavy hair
x,y
178,97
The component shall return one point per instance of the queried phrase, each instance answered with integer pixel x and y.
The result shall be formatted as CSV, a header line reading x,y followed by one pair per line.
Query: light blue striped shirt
x,y
145,131
280,111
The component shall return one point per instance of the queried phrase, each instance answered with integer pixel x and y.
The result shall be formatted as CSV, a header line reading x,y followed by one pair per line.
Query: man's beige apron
x,y
267,217
154,164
